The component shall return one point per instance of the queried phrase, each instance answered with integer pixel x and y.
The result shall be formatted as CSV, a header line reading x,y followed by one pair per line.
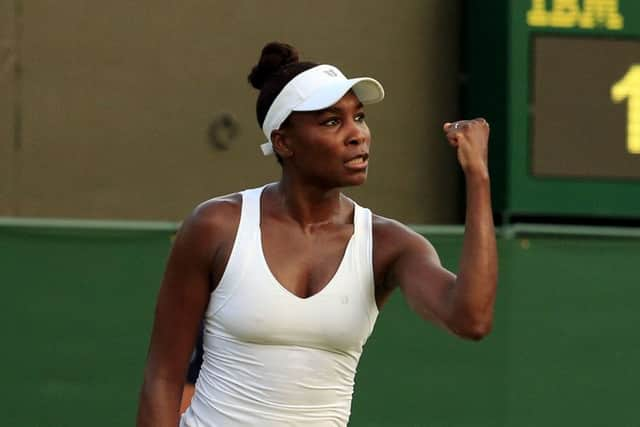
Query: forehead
x,y
347,103
348,100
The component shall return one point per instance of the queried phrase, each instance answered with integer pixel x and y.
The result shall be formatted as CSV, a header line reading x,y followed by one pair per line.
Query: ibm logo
x,y
331,73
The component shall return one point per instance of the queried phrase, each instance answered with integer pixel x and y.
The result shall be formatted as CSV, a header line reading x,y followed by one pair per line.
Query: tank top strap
x,y
242,252
362,229
363,256
250,214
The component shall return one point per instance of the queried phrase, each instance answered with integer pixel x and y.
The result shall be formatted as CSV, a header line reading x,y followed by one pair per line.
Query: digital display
x,y
559,81
585,107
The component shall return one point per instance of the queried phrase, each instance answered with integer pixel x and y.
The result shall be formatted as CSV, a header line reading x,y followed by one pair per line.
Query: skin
x,y
308,207
187,394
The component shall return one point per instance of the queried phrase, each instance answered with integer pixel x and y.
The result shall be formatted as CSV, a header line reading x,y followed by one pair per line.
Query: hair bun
x,y
274,56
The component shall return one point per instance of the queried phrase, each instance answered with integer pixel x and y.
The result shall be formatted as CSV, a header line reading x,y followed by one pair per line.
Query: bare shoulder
x,y
393,238
394,246
219,211
387,230
212,221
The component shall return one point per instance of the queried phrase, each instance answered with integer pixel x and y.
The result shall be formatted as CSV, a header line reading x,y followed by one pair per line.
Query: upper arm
x,y
414,266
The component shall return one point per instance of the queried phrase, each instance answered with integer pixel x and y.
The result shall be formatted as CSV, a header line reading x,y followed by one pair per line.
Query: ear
x,y
281,143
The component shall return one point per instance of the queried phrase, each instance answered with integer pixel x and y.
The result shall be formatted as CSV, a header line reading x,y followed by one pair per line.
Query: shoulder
x,y
216,212
393,239
211,222
387,230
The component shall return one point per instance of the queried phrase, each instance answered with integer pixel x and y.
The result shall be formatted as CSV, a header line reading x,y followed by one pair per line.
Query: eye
x,y
360,117
333,121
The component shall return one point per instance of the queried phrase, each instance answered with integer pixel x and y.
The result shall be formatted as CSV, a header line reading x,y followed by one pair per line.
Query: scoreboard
x,y
559,81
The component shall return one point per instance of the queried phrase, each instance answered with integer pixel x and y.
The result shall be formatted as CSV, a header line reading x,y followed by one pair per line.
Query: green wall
x,y
78,304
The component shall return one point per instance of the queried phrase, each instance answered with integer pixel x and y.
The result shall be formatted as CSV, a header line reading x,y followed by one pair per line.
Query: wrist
x,y
476,175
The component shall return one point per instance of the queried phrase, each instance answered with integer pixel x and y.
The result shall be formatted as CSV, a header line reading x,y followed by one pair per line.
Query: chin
x,y
355,180
338,180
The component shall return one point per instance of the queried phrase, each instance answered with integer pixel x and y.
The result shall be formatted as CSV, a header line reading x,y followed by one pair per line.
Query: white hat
x,y
315,89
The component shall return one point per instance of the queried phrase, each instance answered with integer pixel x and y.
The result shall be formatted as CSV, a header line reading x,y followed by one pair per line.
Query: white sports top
x,y
272,358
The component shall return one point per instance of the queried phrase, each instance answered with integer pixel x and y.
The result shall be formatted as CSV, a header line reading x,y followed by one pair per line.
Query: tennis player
x,y
289,277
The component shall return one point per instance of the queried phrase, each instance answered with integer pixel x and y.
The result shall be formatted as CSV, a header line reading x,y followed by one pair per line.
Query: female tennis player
x,y
289,277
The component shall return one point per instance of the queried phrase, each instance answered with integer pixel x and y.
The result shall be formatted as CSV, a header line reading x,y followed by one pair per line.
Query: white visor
x,y
315,89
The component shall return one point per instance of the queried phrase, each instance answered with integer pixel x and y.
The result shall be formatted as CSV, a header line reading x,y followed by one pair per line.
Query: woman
x,y
289,277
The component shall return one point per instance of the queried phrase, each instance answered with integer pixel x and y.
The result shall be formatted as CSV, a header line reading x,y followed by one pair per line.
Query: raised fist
x,y
471,140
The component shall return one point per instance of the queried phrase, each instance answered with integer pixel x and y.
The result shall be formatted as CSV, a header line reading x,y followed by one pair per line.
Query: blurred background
x,y
140,111
117,118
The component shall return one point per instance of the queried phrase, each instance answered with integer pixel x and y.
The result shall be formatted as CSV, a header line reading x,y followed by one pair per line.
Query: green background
x,y
78,305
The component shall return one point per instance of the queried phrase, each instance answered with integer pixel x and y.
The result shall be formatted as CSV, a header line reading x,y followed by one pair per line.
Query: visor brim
x,y
368,91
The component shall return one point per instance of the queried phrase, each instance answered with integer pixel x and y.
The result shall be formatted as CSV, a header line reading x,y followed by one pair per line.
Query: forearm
x,y
473,295
159,403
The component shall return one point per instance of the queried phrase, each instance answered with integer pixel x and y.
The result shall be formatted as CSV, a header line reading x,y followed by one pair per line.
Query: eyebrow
x,y
334,109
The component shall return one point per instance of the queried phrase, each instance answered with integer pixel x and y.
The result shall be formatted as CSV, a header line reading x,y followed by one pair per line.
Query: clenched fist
x,y
471,140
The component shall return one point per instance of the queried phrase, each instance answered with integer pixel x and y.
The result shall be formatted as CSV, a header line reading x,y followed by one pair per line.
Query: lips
x,y
358,162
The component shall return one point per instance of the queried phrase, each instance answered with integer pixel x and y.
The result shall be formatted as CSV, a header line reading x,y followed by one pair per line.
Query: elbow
x,y
477,331
473,329
472,321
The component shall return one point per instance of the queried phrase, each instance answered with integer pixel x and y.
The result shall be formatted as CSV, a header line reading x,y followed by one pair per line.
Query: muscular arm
x,y
182,300
463,304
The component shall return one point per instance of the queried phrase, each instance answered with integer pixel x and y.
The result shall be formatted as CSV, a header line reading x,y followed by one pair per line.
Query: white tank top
x,y
272,358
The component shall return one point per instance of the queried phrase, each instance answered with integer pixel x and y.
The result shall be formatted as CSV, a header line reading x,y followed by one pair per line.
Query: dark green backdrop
x,y
78,303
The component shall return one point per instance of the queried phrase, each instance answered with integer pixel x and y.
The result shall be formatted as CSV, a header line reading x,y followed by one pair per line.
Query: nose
x,y
358,133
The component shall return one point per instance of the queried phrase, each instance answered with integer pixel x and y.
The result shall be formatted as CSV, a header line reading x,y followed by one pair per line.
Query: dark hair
x,y
278,64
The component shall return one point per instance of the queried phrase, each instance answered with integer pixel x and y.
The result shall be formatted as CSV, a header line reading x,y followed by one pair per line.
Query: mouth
x,y
359,162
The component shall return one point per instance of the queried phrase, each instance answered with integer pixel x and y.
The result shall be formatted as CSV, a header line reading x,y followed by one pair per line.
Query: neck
x,y
310,205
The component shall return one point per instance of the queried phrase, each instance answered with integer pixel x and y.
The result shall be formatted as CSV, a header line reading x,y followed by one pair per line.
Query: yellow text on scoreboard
x,y
629,88
576,14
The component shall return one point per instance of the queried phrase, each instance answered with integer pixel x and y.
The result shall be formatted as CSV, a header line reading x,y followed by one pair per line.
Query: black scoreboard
x,y
560,83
